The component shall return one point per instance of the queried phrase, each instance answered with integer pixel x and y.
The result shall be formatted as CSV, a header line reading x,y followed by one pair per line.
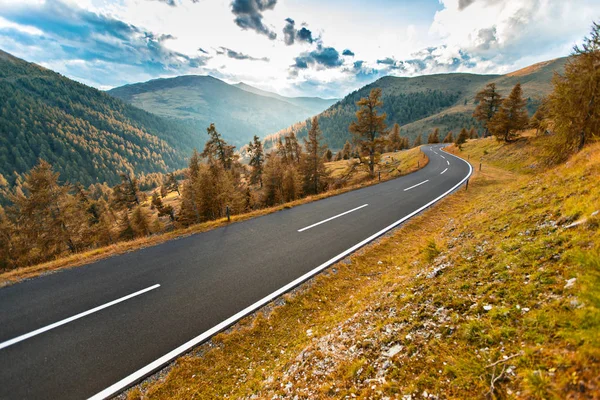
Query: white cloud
x,y
482,36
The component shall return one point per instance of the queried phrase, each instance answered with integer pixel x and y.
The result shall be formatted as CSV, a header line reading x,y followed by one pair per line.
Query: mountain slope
x,y
87,135
421,103
238,112
313,105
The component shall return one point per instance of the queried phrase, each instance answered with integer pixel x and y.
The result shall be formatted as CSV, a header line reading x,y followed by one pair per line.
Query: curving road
x,y
94,330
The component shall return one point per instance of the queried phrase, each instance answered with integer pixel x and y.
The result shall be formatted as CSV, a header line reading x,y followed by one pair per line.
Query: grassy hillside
x,y
238,113
422,103
87,135
500,300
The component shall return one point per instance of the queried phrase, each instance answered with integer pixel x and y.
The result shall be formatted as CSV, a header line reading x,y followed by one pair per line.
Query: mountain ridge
x,y
238,111
421,103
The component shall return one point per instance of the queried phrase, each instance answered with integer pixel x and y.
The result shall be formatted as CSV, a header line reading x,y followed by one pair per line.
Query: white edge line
x,y
418,184
332,218
73,318
155,365
444,171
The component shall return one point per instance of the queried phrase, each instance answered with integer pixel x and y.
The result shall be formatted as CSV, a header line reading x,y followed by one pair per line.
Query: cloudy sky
x,y
293,47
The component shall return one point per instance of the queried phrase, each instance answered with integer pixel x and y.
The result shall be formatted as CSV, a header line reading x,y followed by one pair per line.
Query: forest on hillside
x,y
87,135
401,108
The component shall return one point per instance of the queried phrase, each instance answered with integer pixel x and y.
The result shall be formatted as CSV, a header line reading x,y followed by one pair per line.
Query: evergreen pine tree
x,y
257,159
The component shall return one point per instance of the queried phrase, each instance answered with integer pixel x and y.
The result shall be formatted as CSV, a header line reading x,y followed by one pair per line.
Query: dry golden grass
x,y
407,160
474,298
391,165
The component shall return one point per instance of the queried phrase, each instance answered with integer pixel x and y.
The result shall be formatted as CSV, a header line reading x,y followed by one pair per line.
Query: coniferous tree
x,y
257,160
313,167
396,141
488,103
188,212
434,136
418,140
6,241
42,213
164,192
217,149
511,117
449,138
370,128
328,155
347,150
462,138
574,104
126,195
126,231
473,133
273,180
282,151
140,221
171,184
291,186
539,120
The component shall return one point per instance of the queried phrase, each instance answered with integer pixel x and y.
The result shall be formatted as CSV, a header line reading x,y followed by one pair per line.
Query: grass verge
x,y
495,292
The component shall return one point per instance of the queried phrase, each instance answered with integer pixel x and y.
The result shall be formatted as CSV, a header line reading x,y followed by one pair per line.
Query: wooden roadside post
x,y
228,214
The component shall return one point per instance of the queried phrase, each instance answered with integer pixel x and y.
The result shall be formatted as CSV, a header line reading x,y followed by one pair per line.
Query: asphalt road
x,y
92,330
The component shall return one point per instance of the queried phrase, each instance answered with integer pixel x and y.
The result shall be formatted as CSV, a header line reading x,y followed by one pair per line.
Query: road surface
x,y
93,330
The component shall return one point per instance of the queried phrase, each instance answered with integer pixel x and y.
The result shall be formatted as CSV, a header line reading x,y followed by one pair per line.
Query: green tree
x,y
488,103
370,128
257,160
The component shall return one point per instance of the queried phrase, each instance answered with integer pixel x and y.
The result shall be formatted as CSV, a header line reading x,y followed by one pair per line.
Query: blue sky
x,y
293,47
